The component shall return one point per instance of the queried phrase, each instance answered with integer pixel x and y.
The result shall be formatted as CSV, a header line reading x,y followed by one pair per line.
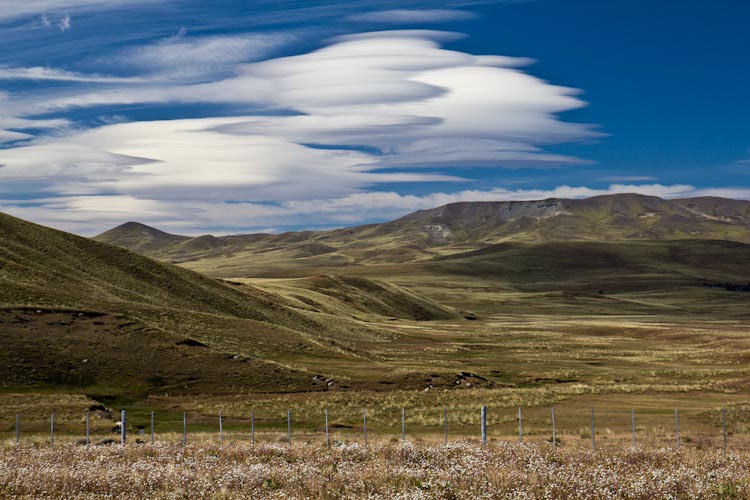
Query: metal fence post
x,y
445,422
724,427
593,430
88,428
328,439
221,429
484,426
184,428
520,426
677,427
632,418
252,427
554,430
52,431
123,427
152,427
18,429
289,426
364,424
403,424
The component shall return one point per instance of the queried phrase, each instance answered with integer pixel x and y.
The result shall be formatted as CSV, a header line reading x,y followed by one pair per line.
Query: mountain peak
x,y
140,238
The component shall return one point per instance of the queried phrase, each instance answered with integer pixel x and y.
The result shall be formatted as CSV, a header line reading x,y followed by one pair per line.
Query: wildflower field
x,y
381,471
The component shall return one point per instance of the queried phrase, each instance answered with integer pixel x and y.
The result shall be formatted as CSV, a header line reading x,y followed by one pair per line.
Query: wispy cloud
x,y
53,74
627,178
184,54
65,23
13,9
413,16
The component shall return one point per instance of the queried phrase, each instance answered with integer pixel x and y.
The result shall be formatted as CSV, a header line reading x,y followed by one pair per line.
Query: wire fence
x,y
717,429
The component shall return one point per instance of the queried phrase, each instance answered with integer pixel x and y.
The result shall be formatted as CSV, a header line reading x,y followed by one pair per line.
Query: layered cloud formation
x,y
237,137
366,109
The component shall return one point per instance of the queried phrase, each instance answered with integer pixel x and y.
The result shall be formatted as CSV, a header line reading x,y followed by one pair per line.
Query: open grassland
x,y
655,364
390,471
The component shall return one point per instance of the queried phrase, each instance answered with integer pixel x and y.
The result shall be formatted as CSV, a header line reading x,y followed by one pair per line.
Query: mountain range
x,y
448,230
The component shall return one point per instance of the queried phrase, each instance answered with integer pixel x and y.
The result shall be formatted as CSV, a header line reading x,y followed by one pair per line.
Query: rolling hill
x,y
447,230
76,312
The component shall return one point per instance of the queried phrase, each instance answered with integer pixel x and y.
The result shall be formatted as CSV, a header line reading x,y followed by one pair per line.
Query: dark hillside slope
x,y
603,266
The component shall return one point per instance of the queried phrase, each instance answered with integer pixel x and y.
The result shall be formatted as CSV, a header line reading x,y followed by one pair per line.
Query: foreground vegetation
x,y
390,471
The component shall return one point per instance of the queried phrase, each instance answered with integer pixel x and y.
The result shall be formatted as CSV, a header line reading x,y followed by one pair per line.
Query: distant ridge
x,y
460,227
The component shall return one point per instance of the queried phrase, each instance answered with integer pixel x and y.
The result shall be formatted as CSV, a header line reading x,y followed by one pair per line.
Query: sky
x,y
232,116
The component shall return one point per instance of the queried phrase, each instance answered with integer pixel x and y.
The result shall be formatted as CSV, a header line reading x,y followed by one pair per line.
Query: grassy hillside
x,y
357,297
75,312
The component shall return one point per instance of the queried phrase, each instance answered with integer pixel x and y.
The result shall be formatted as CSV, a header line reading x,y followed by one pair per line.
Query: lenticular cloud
x,y
394,100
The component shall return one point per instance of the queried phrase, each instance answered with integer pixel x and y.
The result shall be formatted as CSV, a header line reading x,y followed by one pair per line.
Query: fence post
x,y
554,430
593,430
252,427
632,418
152,427
289,426
484,426
364,423
328,439
123,427
403,424
184,428
445,421
88,428
724,427
52,431
677,427
18,429
221,429
520,426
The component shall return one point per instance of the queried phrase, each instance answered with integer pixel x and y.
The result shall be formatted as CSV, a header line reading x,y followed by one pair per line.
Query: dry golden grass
x,y
383,471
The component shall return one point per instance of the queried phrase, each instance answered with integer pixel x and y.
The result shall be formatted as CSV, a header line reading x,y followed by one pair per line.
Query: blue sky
x,y
236,116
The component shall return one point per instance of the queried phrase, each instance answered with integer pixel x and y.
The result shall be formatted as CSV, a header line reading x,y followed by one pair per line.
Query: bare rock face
x,y
438,233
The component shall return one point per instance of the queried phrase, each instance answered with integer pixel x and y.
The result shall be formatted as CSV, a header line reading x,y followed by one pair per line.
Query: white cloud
x,y
407,16
9,121
64,23
182,54
190,160
398,92
53,74
366,110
